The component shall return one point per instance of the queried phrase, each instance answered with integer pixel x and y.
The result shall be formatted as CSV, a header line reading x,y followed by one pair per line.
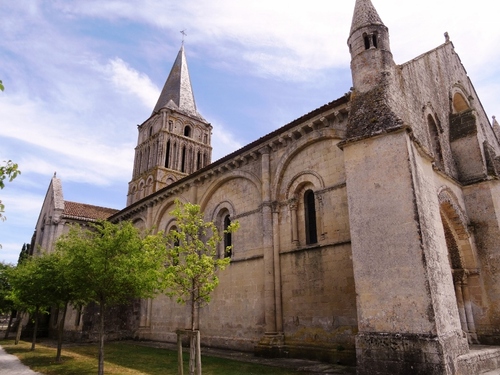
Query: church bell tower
x,y
369,45
174,141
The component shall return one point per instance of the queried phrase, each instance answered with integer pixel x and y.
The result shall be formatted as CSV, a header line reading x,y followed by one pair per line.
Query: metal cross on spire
x,y
183,32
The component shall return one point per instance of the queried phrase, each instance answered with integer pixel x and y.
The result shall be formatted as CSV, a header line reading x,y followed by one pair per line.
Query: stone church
x,y
369,227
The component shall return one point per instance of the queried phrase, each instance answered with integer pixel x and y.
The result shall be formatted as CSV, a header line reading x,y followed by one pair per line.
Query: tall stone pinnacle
x,y
177,92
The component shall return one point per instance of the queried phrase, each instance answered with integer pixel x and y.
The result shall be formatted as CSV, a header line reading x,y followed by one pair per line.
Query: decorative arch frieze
x,y
224,206
302,179
301,195
222,215
295,147
161,216
218,182
450,206
139,223
462,259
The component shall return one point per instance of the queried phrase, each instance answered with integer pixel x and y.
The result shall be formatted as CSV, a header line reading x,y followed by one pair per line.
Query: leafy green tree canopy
x,y
111,264
6,304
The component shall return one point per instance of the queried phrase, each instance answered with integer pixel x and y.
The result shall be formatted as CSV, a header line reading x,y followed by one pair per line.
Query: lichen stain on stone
x,y
370,113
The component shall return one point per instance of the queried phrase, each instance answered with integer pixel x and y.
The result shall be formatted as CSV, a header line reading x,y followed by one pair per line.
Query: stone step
x,y
481,359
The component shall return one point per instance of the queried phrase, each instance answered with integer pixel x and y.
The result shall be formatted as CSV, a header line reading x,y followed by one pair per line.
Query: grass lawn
x,y
125,358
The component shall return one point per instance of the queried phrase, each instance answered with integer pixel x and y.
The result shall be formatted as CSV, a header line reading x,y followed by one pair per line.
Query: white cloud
x,y
69,146
223,141
280,38
132,81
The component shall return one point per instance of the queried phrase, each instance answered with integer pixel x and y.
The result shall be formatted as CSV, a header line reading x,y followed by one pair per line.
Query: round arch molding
x,y
289,155
161,218
215,185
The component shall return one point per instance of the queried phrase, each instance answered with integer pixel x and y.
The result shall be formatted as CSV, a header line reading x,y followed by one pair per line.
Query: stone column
x,y
267,239
272,342
468,312
460,304
149,215
277,269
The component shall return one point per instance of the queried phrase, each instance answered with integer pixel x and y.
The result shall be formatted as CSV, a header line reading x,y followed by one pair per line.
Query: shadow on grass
x,y
124,358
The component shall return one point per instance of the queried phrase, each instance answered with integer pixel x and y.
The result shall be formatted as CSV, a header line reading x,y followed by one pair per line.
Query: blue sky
x,y
79,75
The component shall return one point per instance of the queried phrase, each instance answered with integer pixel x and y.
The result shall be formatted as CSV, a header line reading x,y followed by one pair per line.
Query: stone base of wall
x,y
275,346
480,359
398,354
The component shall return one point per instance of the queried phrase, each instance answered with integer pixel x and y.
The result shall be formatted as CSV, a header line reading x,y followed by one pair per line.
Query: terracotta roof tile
x,y
86,211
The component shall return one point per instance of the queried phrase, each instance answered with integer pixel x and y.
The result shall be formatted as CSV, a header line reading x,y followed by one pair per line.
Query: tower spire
x,y
369,46
177,92
365,15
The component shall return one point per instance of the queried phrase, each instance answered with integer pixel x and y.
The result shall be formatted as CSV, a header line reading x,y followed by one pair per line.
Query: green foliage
x,y
8,171
24,254
36,283
112,263
6,304
1,86
192,265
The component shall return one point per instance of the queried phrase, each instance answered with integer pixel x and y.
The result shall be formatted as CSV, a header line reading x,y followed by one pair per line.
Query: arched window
x,y
187,131
167,156
459,103
198,160
310,217
150,131
366,38
228,238
183,159
176,241
374,40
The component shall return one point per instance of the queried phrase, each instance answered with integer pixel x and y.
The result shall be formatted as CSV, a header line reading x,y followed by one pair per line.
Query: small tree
x,y
111,264
192,262
32,283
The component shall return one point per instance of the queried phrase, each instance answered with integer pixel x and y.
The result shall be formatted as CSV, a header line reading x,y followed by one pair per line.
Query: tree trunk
x,y
33,342
192,346
19,328
192,354
60,333
101,338
9,326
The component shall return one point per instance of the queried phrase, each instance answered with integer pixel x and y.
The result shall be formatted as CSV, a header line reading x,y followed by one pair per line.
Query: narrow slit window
x,y
310,217
228,238
183,160
367,41
167,156
198,161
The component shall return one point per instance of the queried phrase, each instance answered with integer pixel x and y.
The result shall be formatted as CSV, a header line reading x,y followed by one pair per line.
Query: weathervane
x,y
183,32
